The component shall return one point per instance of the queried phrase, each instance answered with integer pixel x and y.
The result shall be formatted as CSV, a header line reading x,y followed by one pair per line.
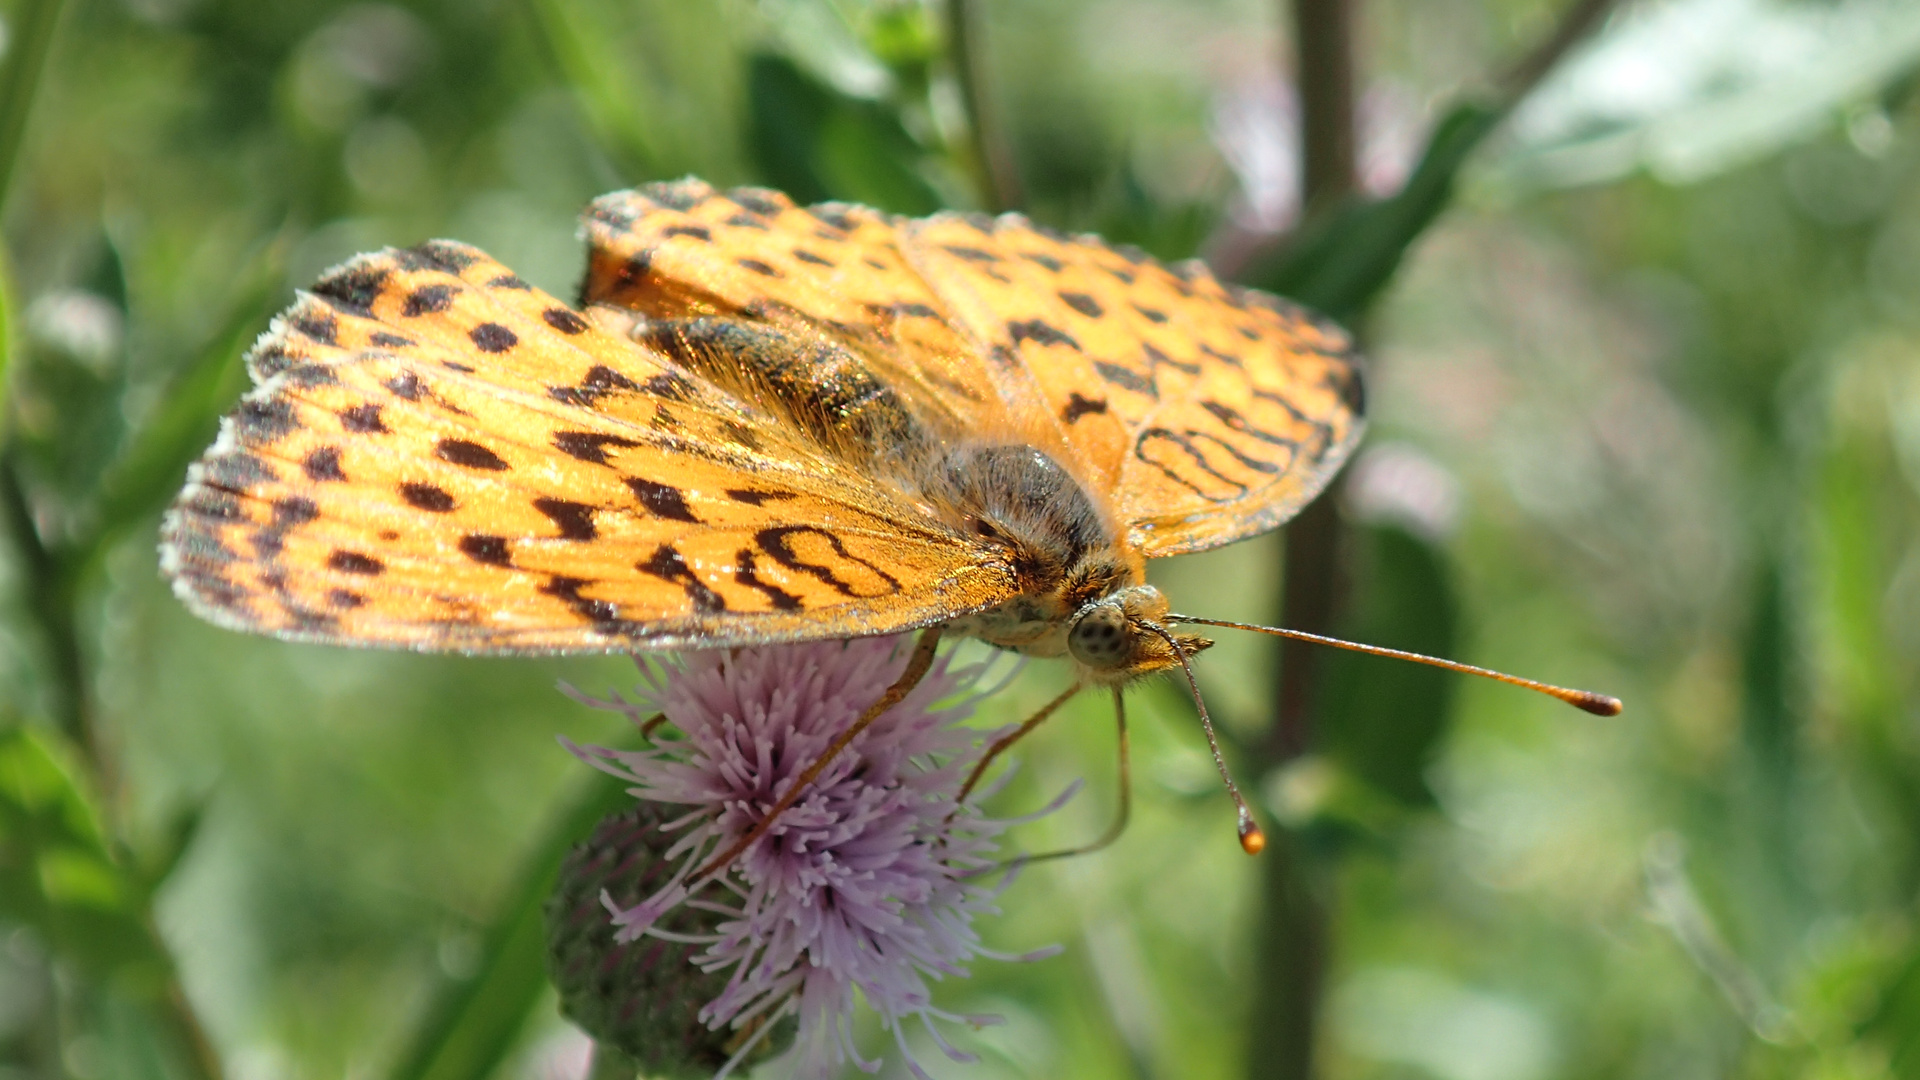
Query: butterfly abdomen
x,y
819,387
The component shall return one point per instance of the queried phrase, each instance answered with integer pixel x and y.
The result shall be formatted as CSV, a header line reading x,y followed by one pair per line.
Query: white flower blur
x,y
870,881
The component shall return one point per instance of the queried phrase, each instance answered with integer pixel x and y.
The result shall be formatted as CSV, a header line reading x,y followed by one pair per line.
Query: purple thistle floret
x,y
870,881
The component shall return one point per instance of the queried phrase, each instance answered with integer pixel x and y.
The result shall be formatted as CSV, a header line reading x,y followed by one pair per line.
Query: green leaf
x,y
147,474
57,874
1342,259
816,143
1896,1021
469,1025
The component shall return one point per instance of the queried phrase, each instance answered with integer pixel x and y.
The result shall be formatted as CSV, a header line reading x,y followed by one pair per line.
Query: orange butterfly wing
x,y
439,456
1200,413
1219,411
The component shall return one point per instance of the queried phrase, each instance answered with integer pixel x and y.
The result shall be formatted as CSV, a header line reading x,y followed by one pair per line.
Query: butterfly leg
x,y
917,666
1126,794
1001,744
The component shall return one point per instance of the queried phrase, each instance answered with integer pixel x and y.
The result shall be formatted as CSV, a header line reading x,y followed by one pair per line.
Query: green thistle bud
x,y
641,997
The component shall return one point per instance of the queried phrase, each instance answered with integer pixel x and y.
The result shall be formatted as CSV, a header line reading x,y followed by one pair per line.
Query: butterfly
x,y
766,423
760,423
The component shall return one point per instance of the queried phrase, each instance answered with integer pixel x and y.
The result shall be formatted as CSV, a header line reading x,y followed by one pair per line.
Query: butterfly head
x,y
1119,637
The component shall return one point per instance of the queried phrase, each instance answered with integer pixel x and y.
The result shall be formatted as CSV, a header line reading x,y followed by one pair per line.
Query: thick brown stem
x,y
1295,934
1329,140
1313,592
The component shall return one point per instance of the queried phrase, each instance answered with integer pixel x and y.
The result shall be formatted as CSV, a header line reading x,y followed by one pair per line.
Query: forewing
x,y
1198,413
1215,412
440,457
684,249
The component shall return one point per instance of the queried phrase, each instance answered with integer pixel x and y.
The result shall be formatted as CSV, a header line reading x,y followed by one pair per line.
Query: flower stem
x,y
610,1064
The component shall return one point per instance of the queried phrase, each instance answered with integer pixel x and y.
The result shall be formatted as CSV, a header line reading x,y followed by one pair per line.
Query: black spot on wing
x,y
469,455
292,511
491,550
1078,407
601,613
1157,359
777,542
1044,260
319,326
364,419
237,471
681,195
1126,378
1227,358
213,503
662,500
904,310
564,321
1152,315
354,289
270,358
757,498
833,217
806,256
600,381
406,385
667,564
763,201
427,300
427,497
1082,303
590,446
744,572
510,281
491,337
757,267
442,255
615,211
345,599
354,562
323,464
692,232
1041,331
1233,421
258,423
573,519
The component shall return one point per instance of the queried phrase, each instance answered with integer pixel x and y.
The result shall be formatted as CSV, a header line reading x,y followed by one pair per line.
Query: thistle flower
x,y
870,881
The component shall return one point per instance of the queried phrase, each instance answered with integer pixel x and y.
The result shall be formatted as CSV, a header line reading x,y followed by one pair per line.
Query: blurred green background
x,y
1647,419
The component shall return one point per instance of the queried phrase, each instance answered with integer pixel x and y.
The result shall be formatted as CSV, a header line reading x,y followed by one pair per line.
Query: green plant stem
x,y
46,583
34,24
610,1064
998,178
1575,25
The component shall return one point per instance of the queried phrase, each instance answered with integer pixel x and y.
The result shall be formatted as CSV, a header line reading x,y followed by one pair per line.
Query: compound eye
x,y
1101,638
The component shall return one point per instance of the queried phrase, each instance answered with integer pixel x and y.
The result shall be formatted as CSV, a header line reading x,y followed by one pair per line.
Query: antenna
x,y
1597,704
1252,839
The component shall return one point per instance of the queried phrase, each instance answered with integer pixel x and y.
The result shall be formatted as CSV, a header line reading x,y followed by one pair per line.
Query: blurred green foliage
x,y
1655,361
